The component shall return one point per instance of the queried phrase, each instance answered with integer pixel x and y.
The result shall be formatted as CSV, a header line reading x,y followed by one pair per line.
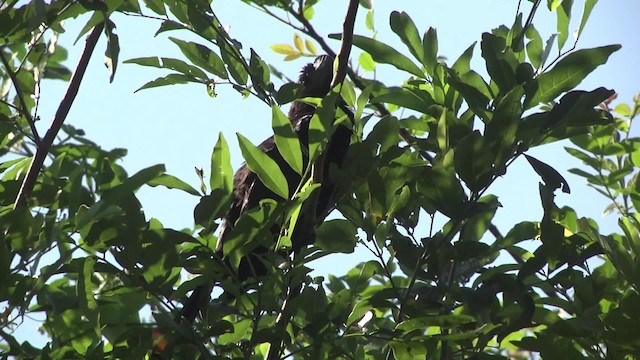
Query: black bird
x,y
315,80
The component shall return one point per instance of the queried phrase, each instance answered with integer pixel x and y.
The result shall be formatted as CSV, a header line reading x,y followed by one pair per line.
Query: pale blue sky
x,y
178,125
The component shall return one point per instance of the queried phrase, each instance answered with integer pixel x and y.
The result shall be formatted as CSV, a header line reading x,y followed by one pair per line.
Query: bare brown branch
x,y
347,43
61,114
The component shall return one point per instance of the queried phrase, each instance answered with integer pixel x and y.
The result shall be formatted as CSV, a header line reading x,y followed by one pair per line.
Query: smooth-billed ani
x,y
315,80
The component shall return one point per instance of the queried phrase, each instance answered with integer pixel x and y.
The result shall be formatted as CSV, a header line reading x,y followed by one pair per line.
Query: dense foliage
x,y
437,294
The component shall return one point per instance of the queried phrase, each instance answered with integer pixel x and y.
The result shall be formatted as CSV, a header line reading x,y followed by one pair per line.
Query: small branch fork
x,y
61,114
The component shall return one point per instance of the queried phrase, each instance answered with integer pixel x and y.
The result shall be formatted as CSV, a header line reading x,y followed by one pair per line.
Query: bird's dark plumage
x,y
315,80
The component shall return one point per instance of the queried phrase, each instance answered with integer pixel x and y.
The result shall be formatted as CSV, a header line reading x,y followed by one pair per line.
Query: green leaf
x,y
284,49
384,54
234,61
321,125
366,62
414,99
566,74
221,172
171,79
551,177
534,46
172,182
500,60
265,167
135,182
169,63
336,236
463,64
86,288
473,162
501,130
202,57
563,16
113,49
442,190
157,6
286,139
259,70
403,26
588,7
430,50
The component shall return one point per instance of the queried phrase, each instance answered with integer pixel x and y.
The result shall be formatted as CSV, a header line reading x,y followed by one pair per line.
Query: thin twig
x,y
59,118
23,104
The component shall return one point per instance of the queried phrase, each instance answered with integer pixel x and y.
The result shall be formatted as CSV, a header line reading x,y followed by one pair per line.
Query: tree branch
x,y
347,43
61,114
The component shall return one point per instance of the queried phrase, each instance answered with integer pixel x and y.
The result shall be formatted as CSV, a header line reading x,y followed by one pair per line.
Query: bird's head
x,y
316,77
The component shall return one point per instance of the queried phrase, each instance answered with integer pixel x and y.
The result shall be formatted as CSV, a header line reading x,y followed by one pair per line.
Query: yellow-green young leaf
x,y
292,57
297,41
366,62
623,110
369,20
311,47
283,49
221,172
286,139
348,93
265,167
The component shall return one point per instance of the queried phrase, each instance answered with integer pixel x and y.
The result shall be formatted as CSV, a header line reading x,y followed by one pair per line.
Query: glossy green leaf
x,y
534,46
232,58
549,175
264,166
384,54
172,182
171,79
430,50
221,176
463,63
168,63
157,6
202,56
563,16
403,26
566,74
588,7
336,236
414,99
286,139
500,60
